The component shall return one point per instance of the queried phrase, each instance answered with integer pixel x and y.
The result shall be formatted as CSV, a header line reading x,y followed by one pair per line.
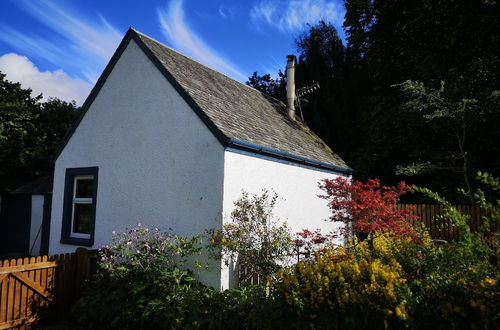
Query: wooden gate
x,y
31,288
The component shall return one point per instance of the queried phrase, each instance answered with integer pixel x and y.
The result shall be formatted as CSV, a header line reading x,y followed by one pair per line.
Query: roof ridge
x,y
204,65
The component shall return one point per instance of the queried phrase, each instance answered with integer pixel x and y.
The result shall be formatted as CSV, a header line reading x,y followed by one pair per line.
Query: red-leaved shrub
x,y
368,207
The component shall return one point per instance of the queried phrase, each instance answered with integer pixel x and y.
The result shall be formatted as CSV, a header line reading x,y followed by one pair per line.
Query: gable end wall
x,y
158,162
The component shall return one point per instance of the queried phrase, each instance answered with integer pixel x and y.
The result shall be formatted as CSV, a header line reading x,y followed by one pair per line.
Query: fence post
x,y
82,261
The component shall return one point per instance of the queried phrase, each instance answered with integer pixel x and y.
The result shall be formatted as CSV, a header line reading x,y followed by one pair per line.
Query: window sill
x,y
77,241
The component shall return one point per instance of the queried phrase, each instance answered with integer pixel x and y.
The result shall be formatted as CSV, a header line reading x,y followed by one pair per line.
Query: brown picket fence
x,y
442,228
36,287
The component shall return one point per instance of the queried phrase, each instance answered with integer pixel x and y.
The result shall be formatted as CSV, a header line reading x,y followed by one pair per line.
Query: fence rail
x,y
30,286
442,228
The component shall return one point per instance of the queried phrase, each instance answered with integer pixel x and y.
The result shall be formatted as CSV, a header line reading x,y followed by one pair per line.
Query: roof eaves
x,y
287,156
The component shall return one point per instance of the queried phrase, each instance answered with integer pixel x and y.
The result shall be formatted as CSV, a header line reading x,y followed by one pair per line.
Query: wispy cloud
x,y
178,33
51,84
89,42
225,12
293,15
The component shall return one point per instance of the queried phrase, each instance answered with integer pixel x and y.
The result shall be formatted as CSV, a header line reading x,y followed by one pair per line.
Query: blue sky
x,y
60,47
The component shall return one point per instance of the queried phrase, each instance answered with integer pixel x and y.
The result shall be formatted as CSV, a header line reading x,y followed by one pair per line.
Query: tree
x,y
266,84
322,59
427,41
455,117
368,207
30,133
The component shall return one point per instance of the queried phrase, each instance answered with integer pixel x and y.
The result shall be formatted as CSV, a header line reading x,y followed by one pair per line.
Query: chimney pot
x,y
290,86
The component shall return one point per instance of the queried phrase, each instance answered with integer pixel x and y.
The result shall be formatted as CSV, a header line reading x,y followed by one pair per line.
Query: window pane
x,y
81,220
84,188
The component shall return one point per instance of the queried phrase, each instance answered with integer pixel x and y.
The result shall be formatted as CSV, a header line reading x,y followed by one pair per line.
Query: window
x,y
80,194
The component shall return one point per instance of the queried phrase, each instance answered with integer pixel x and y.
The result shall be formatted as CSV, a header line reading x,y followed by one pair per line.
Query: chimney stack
x,y
290,86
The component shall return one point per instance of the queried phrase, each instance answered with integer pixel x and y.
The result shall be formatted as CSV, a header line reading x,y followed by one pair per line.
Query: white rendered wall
x,y
297,189
158,163
36,224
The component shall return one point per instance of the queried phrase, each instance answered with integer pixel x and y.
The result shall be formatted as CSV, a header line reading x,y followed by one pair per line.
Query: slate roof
x,y
40,186
239,111
233,111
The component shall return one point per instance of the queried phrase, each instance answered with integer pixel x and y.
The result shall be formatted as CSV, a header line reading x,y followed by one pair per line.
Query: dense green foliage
x,y
390,282
360,108
145,283
401,281
30,133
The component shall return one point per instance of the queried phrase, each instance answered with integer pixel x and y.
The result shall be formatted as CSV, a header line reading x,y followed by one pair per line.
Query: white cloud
x,y
293,15
58,84
177,32
78,44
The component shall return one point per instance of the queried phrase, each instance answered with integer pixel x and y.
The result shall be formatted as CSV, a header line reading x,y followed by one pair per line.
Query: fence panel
x,y
31,287
442,228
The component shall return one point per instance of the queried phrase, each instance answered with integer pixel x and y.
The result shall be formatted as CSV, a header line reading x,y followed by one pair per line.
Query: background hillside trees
x,y
362,107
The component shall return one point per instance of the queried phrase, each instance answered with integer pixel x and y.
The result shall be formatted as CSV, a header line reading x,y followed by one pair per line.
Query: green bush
x,y
456,286
144,281
253,238
361,288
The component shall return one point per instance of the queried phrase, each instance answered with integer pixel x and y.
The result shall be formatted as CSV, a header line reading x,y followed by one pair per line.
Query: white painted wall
x,y
36,224
158,163
297,189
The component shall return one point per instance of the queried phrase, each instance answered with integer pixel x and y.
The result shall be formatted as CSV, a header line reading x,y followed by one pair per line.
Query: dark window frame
x,y
67,215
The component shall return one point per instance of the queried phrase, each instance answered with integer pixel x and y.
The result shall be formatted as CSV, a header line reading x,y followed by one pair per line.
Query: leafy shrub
x,y
245,307
253,237
368,207
310,242
150,251
144,281
389,281
459,283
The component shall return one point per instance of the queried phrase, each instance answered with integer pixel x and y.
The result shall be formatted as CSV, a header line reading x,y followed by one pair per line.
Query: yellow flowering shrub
x,y
389,282
467,297
365,286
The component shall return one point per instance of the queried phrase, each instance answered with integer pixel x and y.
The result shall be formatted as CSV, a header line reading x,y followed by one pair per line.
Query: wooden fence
x,y
442,228
34,287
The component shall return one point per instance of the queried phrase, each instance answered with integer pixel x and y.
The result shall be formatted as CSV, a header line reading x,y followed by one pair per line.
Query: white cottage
x,y
167,141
